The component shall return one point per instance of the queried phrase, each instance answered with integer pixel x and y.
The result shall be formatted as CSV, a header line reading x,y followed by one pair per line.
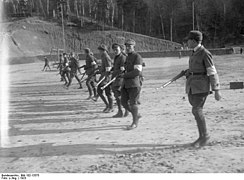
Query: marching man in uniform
x,y
201,76
119,67
131,87
90,68
74,66
105,78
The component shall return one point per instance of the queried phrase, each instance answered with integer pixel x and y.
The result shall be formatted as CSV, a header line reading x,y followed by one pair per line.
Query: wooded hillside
x,y
221,21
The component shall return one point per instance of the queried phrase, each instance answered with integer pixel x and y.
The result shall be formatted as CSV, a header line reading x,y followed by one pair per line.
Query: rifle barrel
x,y
100,81
106,85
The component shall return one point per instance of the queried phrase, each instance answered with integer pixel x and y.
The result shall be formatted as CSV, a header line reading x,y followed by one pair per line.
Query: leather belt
x,y
197,73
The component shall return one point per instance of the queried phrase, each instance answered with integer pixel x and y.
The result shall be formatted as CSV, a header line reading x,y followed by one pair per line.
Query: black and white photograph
x,y
121,87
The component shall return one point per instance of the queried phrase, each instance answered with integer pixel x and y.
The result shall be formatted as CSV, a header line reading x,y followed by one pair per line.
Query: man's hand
x,y
217,95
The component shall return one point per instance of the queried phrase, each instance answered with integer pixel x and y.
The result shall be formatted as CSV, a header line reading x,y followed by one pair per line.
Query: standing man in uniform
x,y
201,76
74,67
131,87
119,67
90,69
46,65
106,66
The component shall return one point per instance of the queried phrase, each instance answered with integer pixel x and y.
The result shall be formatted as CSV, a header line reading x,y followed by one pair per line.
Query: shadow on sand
x,y
48,149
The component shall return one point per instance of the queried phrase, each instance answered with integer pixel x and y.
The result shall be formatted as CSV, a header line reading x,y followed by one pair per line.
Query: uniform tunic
x,y
106,66
201,64
132,77
90,64
119,63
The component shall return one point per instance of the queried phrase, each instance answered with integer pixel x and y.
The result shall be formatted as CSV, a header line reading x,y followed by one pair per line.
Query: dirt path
x,y
57,130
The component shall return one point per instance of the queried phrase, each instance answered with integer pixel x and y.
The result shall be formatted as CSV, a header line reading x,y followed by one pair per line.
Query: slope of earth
x,y
32,37
56,130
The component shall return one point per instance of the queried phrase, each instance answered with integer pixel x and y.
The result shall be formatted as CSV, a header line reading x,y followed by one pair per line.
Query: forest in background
x,y
221,21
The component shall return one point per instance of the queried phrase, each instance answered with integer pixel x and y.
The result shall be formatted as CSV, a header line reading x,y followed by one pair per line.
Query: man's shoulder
x,y
136,54
122,56
205,51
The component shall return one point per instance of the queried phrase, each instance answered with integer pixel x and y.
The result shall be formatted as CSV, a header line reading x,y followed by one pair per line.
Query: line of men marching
x,y
124,78
121,76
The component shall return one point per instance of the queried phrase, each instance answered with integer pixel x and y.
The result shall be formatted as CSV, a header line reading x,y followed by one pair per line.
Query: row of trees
x,y
222,21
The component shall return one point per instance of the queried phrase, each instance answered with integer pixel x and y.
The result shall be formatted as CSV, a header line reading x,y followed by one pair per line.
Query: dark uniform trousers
x,y
197,102
117,94
90,82
130,97
108,93
119,62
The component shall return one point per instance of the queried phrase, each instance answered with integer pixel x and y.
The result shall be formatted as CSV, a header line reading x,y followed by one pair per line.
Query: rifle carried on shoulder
x,y
178,76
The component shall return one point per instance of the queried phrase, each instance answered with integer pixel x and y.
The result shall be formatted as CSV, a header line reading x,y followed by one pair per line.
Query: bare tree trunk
x,y
134,20
76,8
197,19
162,25
43,11
68,8
150,23
14,7
171,29
122,19
47,7
112,14
83,7
89,4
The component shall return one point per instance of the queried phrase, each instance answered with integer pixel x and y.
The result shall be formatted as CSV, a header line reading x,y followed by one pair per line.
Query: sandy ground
x,y
56,130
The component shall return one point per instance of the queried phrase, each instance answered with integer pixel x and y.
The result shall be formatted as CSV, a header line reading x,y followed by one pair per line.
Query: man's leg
x,y
93,86
70,77
77,78
100,93
89,87
197,101
108,93
117,96
125,99
134,94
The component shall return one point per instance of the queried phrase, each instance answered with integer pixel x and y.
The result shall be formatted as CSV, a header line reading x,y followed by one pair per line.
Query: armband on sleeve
x,y
138,67
122,68
211,71
108,69
214,81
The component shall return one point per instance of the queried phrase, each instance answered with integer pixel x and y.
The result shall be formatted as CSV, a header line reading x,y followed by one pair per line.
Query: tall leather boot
x,y
204,135
195,112
134,112
126,113
105,102
95,92
110,105
120,113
